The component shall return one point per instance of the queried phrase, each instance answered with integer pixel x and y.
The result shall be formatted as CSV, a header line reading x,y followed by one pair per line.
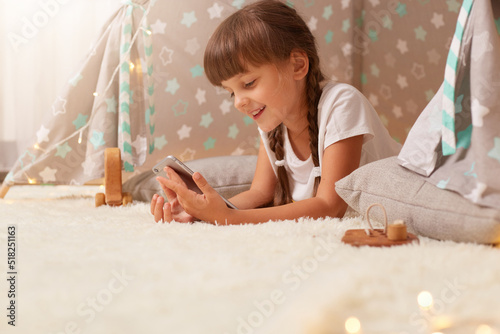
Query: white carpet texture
x,y
112,270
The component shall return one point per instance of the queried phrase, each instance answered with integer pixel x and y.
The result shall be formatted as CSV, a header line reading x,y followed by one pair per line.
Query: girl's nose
x,y
240,102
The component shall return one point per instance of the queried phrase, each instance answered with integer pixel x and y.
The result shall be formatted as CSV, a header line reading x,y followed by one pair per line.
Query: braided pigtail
x,y
282,192
276,138
313,91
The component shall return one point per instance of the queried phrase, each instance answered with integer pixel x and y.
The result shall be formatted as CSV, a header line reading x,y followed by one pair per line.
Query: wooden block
x,y
397,231
113,176
100,199
358,237
126,198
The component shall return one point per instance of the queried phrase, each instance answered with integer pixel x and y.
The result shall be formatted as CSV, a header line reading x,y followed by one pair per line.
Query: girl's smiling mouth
x,y
256,113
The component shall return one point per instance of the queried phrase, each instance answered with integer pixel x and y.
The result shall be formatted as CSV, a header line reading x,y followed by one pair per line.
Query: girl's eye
x,y
250,84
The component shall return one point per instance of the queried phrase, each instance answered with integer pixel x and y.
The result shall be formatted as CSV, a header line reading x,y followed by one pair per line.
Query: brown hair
x,y
262,33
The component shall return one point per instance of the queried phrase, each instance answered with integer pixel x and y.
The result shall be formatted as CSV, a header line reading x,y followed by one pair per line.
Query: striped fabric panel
x,y
124,133
448,106
128,39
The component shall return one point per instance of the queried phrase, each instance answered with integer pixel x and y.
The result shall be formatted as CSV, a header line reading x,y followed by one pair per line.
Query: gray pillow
x,y
427,210
229,175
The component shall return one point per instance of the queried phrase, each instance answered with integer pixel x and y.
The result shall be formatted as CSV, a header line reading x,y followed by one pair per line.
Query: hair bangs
x,y
239,41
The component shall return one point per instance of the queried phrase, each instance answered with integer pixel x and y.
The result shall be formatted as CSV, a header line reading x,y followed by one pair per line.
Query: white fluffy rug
x,y
112,270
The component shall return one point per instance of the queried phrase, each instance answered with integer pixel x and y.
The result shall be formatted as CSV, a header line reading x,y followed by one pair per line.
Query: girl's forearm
x,y
250,199
314,208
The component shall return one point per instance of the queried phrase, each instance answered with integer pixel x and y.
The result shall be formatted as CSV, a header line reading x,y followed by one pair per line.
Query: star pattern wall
x,y
393,51
405,44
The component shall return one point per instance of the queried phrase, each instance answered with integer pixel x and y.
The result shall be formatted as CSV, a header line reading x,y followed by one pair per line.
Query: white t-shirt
x,y
343,112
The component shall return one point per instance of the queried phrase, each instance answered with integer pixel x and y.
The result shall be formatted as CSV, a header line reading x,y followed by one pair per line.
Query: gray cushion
x,y
229,175
427,210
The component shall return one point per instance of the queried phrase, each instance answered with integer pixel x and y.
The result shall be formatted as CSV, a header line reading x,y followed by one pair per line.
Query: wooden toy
x,y
113,195
392,235
3,191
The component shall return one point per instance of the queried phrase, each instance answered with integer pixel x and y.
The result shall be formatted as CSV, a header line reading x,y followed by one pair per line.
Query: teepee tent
x,y
142,86
132,74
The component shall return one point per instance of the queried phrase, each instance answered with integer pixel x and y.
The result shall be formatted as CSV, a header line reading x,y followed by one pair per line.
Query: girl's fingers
x,y
202,183
162,211
171,195
158,210
172,175
167,213
179,189
153,203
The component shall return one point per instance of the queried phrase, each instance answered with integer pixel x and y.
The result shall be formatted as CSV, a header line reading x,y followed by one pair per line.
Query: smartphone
x,y
185,173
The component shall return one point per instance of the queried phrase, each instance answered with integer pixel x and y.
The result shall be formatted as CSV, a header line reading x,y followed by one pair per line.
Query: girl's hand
x,y
209,206
168,211
171,210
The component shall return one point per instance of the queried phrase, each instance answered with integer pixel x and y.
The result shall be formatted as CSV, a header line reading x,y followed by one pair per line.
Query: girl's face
x,y
270,96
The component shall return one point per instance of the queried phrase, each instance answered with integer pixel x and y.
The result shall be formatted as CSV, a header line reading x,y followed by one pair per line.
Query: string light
x,y
441,322
484,329
37,147
95,94
425,300
131,66
352,325
139,67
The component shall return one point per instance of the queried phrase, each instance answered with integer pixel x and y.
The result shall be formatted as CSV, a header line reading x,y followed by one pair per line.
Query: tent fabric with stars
x,y
456,140
142,86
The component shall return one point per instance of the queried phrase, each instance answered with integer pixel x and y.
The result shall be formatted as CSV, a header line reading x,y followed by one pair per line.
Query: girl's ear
x,y
300,62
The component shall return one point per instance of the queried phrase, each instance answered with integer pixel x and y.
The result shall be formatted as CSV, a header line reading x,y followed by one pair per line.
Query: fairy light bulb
x,y
37,147
31,181
80,138
148,32
484,329
425,300
352,325
96,94
442,321
131,66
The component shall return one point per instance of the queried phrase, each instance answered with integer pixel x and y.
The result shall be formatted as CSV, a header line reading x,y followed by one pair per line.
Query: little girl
x,y
312,133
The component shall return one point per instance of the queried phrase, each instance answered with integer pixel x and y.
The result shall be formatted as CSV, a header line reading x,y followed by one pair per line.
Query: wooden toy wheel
x,y
127,198
100,199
